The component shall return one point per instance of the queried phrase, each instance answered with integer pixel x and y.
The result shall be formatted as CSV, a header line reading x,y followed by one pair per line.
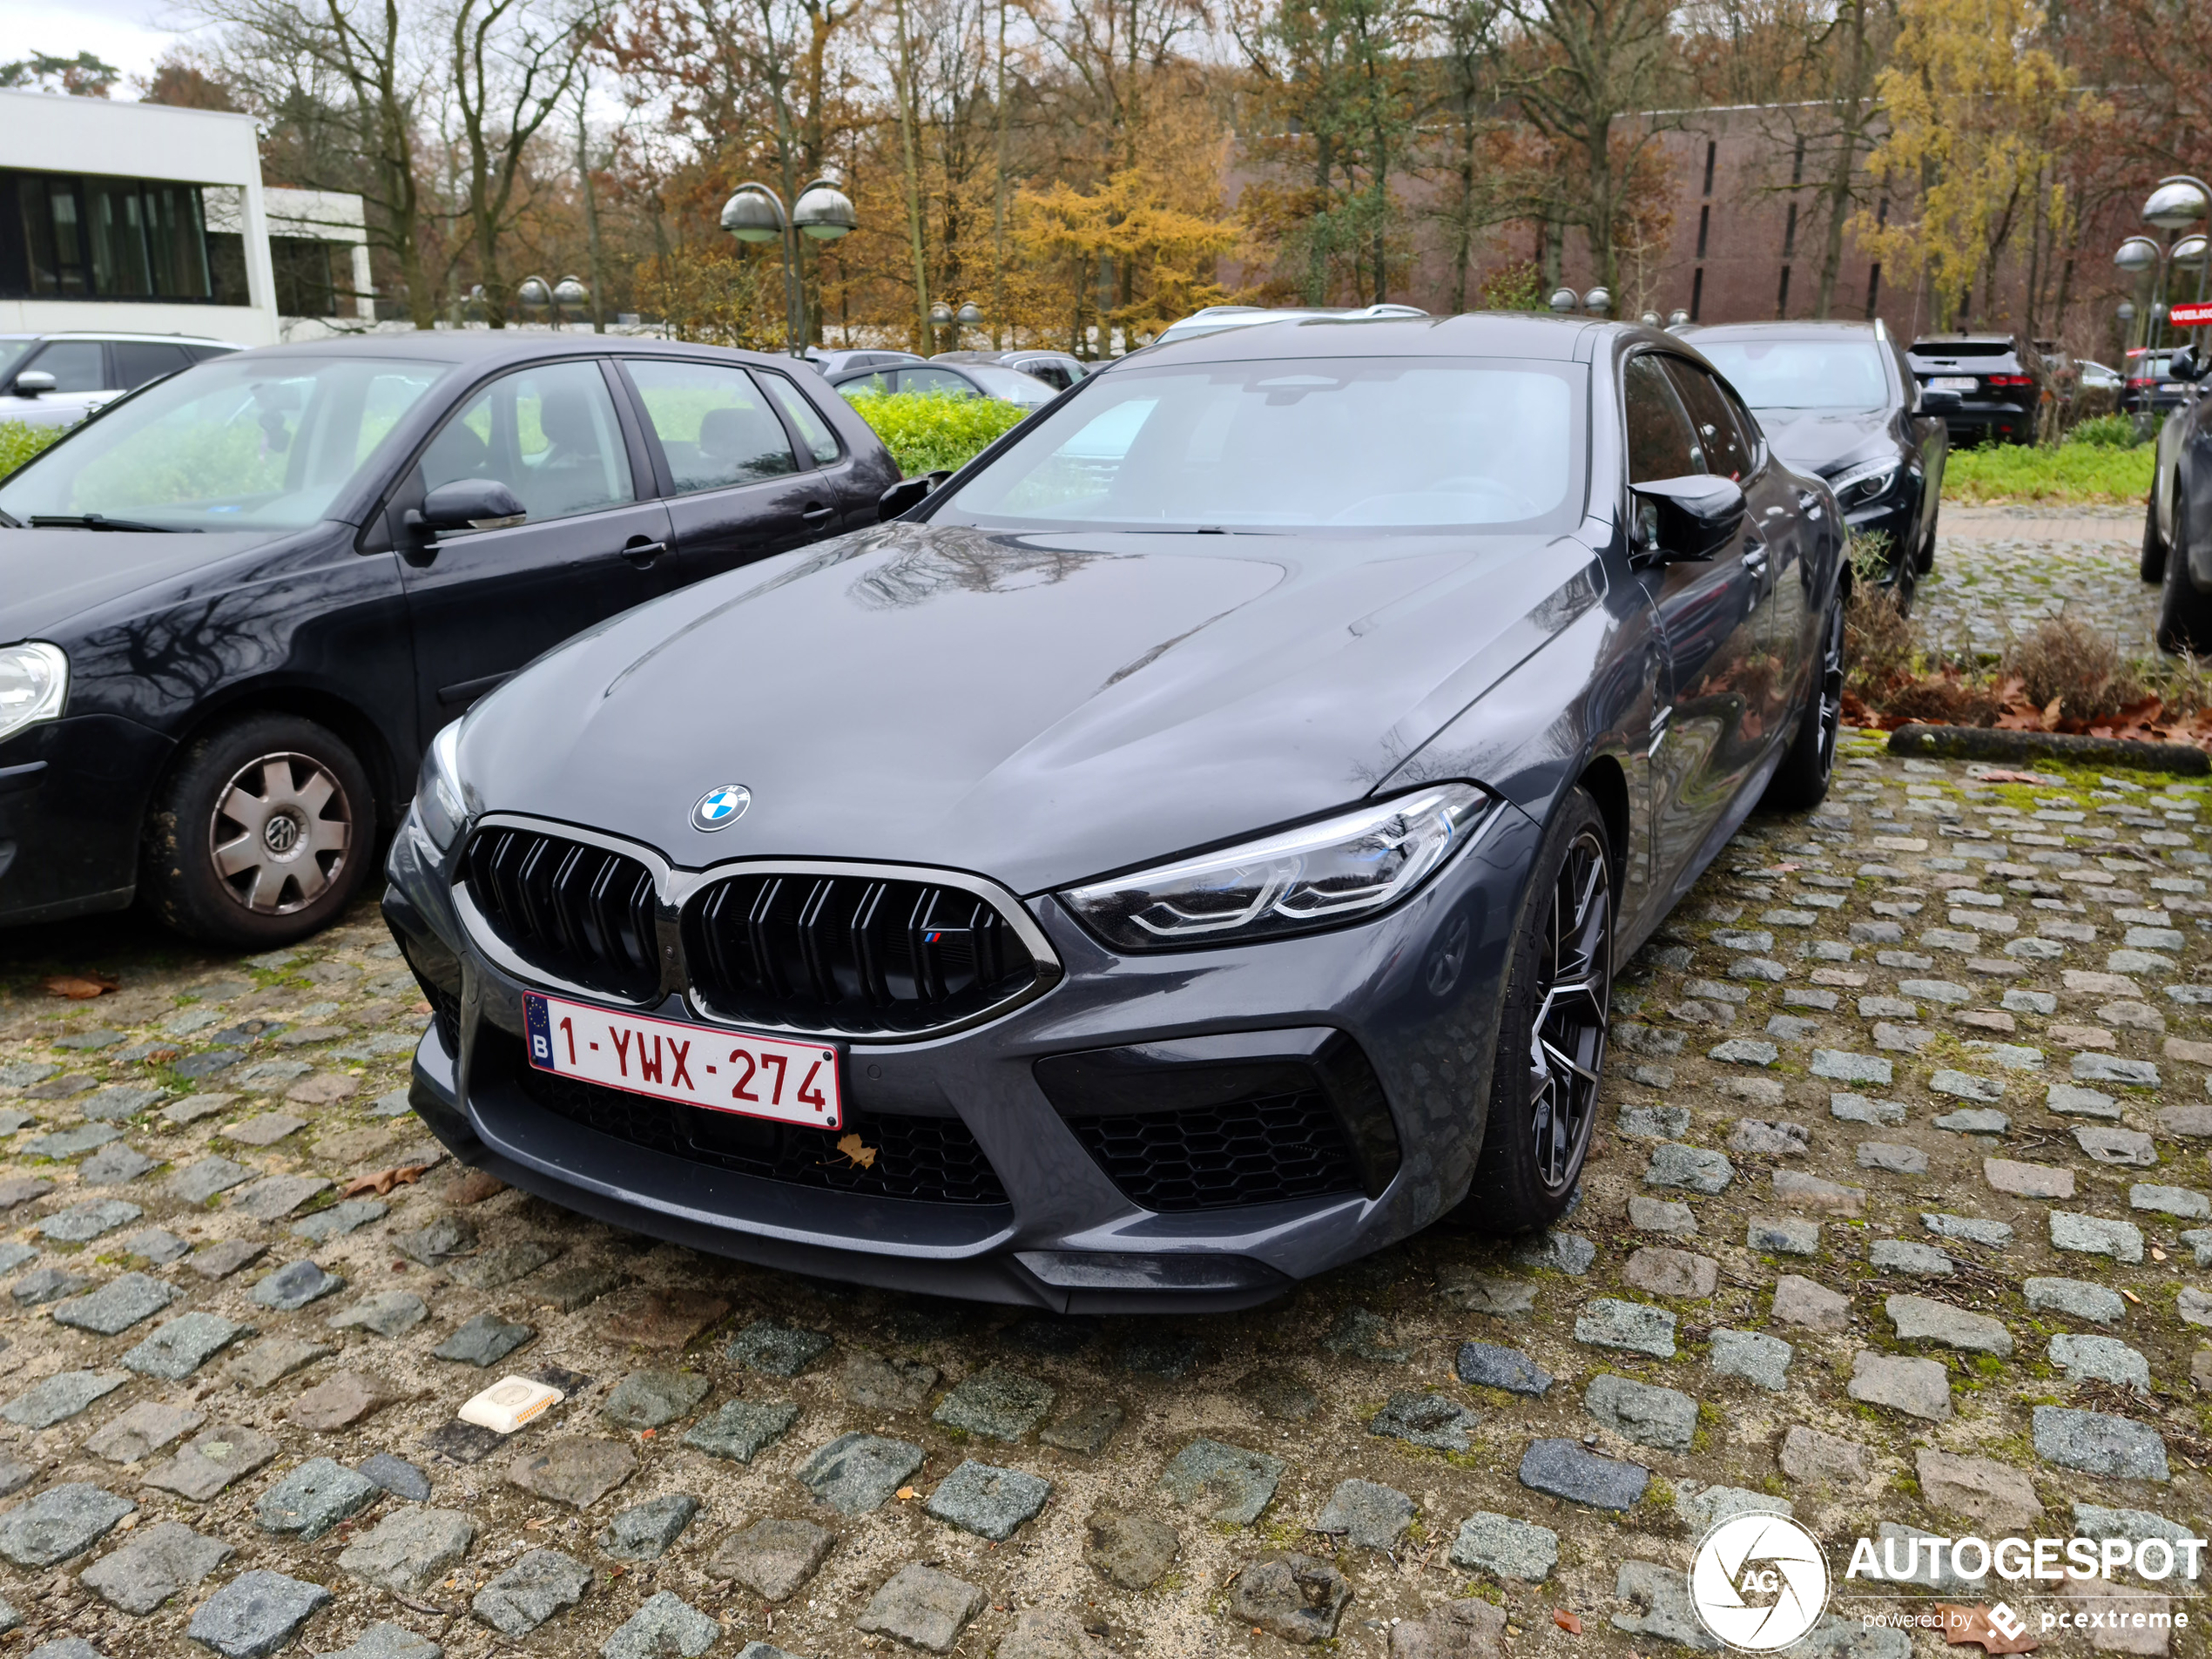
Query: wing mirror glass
x,y
33,381
1686,519
907,494
468,504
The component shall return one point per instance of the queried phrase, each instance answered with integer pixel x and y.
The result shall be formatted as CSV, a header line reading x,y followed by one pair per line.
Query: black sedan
x,y
1188,850
242,600
1838,399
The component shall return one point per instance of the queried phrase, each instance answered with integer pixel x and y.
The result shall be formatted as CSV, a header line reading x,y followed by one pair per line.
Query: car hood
x,y
1826,441
49,576
1037,709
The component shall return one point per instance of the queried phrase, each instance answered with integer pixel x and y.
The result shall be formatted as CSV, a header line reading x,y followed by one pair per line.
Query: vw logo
x,y
719,808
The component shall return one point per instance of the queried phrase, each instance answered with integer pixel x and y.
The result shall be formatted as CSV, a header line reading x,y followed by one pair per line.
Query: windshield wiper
x,y
96,522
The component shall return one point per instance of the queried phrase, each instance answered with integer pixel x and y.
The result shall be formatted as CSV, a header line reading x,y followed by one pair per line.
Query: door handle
x,y
1755,558
817,518
642,551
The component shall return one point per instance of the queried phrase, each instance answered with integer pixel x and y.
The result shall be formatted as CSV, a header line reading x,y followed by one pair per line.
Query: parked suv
x,y
2151,387
1998,379
57,380
1837,399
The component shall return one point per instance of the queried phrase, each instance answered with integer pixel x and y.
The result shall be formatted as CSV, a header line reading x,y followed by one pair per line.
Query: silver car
x,y
57,380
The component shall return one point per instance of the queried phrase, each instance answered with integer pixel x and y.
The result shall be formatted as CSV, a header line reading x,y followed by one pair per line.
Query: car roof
x,y
126,334
1530,335
1808,329
496,346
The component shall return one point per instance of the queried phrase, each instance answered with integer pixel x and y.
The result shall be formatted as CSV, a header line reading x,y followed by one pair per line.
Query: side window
x,y
75,365
813,431
1721,447
1053,375
1754,439
548,433
137,361
934,380
714,425
1659,441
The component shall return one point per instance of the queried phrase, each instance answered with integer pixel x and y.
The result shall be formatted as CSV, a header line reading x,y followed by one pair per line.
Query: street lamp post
x,y
570,292
756,213
534,293
2179,202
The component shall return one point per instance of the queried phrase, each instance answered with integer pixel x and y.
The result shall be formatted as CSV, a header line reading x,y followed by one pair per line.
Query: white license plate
x,y
1954,383
693,1065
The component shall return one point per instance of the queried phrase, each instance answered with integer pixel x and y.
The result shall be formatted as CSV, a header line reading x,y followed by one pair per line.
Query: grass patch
x,y
19,442
935,431
2072,474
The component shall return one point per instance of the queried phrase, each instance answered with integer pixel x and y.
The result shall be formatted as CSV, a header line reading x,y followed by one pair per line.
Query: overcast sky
x,y
130,34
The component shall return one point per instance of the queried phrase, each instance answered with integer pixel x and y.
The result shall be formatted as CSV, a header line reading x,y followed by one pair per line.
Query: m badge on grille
x,y
719,808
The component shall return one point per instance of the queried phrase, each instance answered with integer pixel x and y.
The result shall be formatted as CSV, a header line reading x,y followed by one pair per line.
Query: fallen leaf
x,y
2001,776
905,1494
532,1525
860,1152
383,1181
2051,712
82,988
2131,1296
1964,1625
1567,1621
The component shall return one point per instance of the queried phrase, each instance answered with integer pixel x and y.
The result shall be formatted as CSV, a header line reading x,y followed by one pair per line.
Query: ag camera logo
x,y
1759,1583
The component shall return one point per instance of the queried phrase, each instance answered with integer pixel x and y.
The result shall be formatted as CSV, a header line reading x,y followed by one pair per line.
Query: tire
x,y
1551,1039
2184,614
2154,564
261,834
1801,782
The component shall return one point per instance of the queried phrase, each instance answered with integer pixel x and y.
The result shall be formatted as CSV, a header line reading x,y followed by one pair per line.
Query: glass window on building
x,y
63,235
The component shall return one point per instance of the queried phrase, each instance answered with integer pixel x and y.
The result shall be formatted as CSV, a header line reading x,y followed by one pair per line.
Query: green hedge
x,y
19,442
935,431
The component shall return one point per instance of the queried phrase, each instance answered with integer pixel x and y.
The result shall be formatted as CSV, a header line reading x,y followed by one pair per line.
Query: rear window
x,y
1963,348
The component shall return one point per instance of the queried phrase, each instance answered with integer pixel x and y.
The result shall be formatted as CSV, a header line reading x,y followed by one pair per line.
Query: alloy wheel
x,y
280,833
1574,986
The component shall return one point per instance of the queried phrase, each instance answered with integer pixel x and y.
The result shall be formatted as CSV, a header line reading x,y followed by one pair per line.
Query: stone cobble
x,y
1893,1222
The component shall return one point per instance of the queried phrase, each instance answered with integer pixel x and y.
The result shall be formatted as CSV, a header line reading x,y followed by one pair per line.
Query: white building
x,y
138,216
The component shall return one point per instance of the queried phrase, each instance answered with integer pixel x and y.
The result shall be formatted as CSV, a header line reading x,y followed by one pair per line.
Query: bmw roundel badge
x,y
719,808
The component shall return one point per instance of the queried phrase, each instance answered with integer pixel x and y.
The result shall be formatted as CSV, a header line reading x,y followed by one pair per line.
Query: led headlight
x,y
1870,480
34,685
1339,870
439,802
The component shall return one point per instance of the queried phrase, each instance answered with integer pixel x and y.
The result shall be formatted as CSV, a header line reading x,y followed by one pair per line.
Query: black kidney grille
x,y
930,1160
577,912
1262,1151
849,954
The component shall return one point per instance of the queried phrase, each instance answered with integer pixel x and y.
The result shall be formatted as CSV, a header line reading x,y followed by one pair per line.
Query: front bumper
x,y
72,794
1990,423
1417,991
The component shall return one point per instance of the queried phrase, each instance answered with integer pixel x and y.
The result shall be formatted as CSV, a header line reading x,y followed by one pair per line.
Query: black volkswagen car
x,y
235,605
1187,851
1839,400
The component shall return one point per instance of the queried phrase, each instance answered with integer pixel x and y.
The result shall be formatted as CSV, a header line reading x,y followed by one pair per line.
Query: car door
x,y
1772,547
595,541
1709,617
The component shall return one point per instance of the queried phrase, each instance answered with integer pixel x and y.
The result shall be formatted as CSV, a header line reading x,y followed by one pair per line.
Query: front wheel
x,y
2153,565
2184,614
1924,555
261,834
1551,1037
1801,782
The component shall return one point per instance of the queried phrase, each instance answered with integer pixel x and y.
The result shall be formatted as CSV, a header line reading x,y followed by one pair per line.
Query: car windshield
x,y
11,353
1309,444
235,443
1010,384
1802,374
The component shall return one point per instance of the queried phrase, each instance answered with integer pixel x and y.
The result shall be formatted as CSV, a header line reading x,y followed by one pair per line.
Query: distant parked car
x,y
836,362
955,380
2177,516
2151,387
1838,400
1058,369
57,380
1214,319
1997,378
2099,391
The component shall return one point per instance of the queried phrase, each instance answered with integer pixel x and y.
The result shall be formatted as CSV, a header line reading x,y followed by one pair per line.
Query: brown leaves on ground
x,y
1567,1621
860,1151
1964,1625
477,1186
383,1181
82,988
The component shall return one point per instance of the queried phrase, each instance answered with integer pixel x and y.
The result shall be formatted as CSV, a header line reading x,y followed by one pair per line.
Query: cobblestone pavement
x,y
2000,569
1899,1219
